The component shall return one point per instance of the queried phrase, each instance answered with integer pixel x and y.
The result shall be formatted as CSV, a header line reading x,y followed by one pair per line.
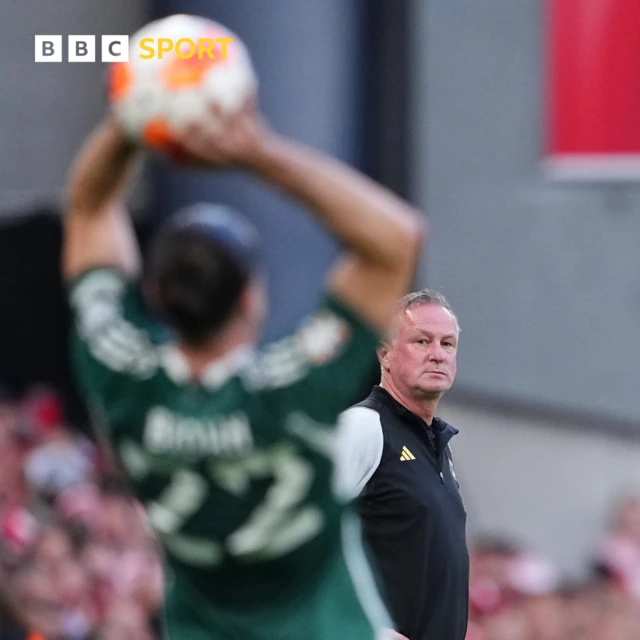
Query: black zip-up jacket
x,y
414,524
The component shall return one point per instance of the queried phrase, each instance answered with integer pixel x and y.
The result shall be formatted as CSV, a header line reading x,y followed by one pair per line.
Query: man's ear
x,y
245,300
383,355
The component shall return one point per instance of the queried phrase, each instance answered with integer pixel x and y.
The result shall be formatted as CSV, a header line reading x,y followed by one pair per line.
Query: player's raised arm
x,y
97,228
381,233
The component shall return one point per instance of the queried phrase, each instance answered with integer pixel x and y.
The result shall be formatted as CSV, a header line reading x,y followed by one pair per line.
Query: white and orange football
x,y
178,68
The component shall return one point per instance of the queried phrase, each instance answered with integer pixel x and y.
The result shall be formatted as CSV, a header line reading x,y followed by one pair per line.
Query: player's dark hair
x,y
200,262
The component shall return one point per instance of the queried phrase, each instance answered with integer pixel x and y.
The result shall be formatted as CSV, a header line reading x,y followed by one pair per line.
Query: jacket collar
x,y
441,430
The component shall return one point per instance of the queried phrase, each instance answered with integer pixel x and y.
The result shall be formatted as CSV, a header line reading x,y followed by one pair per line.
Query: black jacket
x,y
414,524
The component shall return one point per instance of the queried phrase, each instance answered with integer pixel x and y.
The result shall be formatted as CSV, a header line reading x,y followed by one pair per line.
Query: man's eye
x,y
422,341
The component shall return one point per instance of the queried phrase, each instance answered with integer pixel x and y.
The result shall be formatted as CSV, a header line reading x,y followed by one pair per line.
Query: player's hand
x,y
229,141
394,635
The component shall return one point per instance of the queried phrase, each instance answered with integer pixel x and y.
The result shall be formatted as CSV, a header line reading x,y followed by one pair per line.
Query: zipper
x,y
433,448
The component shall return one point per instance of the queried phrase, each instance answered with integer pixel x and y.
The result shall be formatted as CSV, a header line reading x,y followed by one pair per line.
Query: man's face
x,y
421,360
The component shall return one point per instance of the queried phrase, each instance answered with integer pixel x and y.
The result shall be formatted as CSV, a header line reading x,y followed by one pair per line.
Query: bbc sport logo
x,y
82,48
116,48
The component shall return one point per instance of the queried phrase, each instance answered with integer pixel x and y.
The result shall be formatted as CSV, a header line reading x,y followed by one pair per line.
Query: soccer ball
x,y
178,68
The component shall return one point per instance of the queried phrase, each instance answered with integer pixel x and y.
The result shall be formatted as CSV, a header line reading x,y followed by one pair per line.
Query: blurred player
x,y
230,448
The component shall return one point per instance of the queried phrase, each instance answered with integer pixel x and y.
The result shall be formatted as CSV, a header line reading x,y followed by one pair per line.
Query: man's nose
x,y
436,353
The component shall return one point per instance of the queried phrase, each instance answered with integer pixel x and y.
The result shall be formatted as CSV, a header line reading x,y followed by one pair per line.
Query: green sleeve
x,y
328,365
112,347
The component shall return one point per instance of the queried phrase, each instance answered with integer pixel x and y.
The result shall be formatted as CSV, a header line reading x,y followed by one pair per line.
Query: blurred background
x,y
515,126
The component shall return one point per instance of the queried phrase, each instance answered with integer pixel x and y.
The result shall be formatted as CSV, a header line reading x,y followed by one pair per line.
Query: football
x,y
178,68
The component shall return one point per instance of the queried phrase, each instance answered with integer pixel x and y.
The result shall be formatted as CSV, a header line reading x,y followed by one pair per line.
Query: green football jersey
x,y
236,471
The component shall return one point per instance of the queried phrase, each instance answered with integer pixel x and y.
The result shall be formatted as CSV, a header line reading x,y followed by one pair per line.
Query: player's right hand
x,y
230,141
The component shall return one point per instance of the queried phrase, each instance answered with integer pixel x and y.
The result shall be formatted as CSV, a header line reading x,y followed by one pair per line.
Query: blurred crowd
x,y
78,562
518,595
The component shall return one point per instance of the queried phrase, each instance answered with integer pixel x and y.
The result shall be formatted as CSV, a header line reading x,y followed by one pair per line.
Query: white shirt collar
x,y
215,374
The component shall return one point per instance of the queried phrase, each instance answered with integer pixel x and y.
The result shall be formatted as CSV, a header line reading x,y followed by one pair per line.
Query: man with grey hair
x,y
394,456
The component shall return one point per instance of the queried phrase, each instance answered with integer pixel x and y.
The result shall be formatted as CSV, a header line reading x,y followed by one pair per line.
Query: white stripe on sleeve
x,y
358,450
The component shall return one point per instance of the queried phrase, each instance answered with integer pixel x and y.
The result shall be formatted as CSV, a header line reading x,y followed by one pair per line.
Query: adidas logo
x,y
406,455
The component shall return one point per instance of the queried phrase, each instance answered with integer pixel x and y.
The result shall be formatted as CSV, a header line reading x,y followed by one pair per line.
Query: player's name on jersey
x,y
169,433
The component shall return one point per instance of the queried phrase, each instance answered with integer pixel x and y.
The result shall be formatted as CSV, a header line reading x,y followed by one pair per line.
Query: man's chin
x,y
433,391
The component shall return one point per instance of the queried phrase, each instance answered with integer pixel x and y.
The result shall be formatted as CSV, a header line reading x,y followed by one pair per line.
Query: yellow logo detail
x,y
406,455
